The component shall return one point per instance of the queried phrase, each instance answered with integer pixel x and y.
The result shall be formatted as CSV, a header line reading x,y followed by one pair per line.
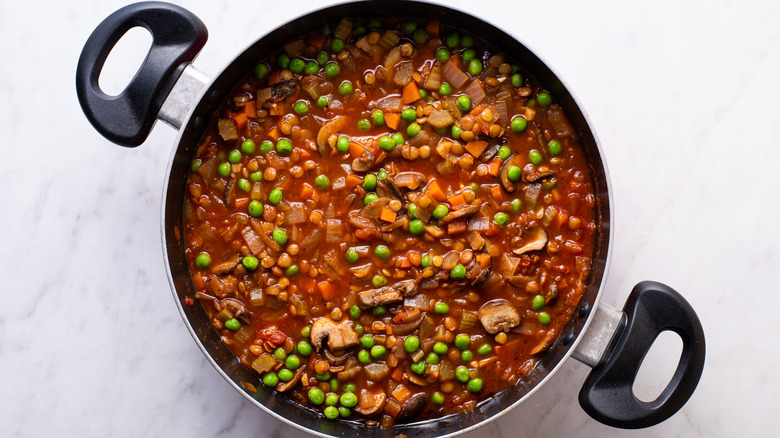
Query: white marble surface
x,y
682,94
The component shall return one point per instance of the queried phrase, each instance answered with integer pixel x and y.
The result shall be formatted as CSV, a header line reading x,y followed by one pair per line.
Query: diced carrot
x,y
306,191
274,133
456,200
242,202
492,229
308,284
401,393
494,167
561,219
353,180
410,94
497,194
483,260
398,374
432,27
250,109
456,227
404,262
556,194
387,215
392,120
198,282
476,110
381,157
276,110
435,191
356,149
327,289
476,148
240,120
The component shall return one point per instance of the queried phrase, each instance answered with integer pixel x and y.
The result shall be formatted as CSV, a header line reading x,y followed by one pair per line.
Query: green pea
x,y
445,89
250,262
311,68
466,356
279,354
386,143
331,412
467,41
297,65
413,129
248,147
440,348
468,55
260,71
543,318
534,156
322,57
464,103
397,138
411,343
409,115
331,399
425,261
266,146
291,271
514,173
408,26
351,255
443,54
322,101
270,379
301,108
280,236
411,211
284,146
344,412
437,398
475,67
517,80
364,125
371,197
518,124
255,208
462,374
323,377
232,324
456,131
275,197
345,88
462,341
364,357
337,45
379,310
334,384
350,387
516,204
304,348
348,399
441,308
306,331
440,211
234,156
369,181
342,144
501,218
538,302
452,39
292,362
378,117
378,281
416,227
382,251
367,341
316,396
378,351
223,169
420,36
423,93
432,358
418,367
555,147
322,182
484,349
195,165
504,152
332,69
382,174
474,385
283,60
359,329
544,98
256,176
458,272
203,260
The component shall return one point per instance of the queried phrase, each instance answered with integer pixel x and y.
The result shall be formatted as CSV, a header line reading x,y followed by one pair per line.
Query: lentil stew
x,y
389,222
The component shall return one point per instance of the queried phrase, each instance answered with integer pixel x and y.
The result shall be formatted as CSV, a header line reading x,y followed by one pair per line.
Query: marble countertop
x,y
682,94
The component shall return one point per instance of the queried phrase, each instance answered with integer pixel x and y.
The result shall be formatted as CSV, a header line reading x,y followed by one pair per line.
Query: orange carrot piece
x,y
398,374
435,191
198,282
308,284
306,191
410,94
456,227
250,109
456,200
274,133
353,180
240,120
401,393
404,262
387,215
356,149
497,194
483,260
476,148
242,202
432,27
327,289
392,120
494,167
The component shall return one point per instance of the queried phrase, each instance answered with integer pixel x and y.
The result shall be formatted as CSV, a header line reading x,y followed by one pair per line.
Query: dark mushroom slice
x,y
371,402
227,266
388,187
407,287
283,90
498,316
411,407
535,239
509,185
476,274
286,386
387,294
364,162
469,210
339,335
335,360
532,174
328,130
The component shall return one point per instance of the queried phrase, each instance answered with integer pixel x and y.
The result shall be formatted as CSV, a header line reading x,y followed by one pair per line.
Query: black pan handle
x,y
607,393
177,37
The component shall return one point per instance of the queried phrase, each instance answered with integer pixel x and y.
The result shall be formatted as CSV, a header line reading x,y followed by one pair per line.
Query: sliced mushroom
x,y
536,239
461,213
376,371
388,187
363,162
407,287
339,335
326,131
498,316
286,386
508,184
406,321
227,266
283,90
373,209
532,174
411,407
476,274
230,190
387,294
371,402
334,360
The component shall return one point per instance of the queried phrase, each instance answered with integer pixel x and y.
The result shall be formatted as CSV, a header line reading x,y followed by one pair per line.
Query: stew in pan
x,y
389,221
